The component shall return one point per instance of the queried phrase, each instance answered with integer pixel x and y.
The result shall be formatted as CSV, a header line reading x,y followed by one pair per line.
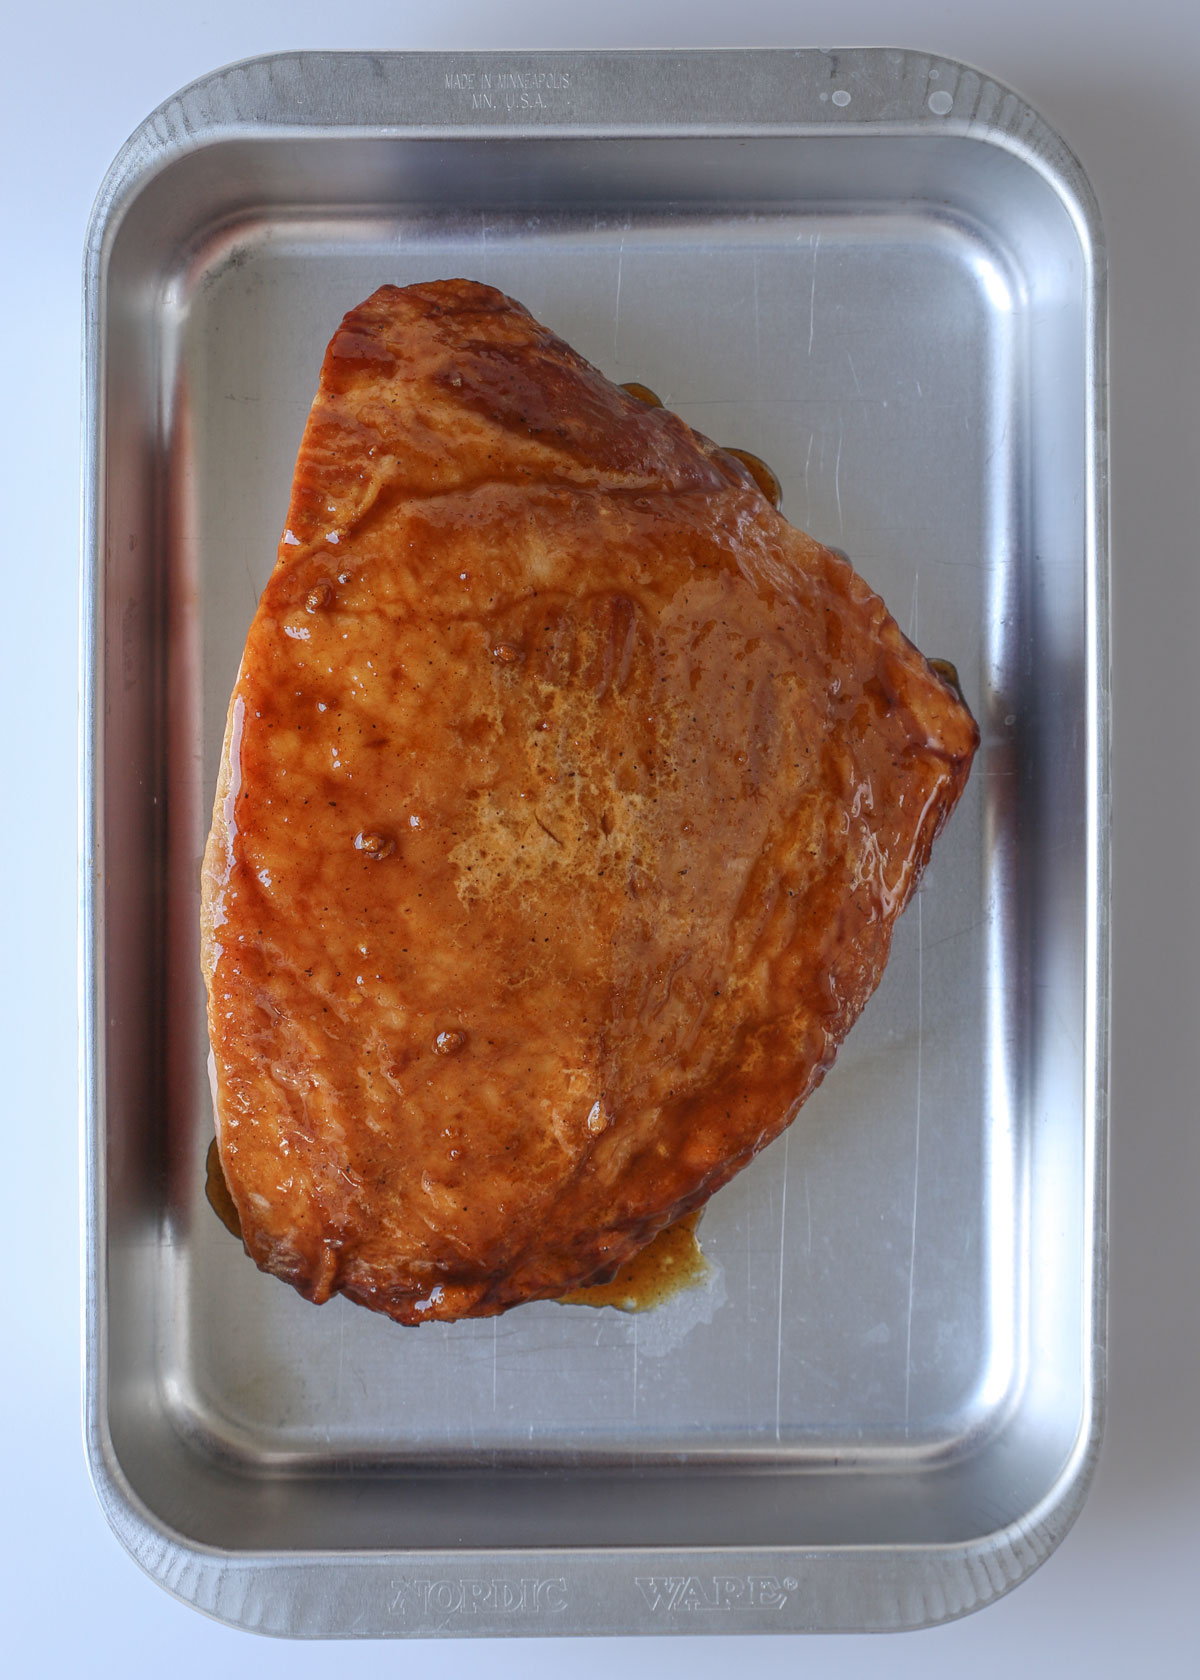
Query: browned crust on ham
x,y
568,800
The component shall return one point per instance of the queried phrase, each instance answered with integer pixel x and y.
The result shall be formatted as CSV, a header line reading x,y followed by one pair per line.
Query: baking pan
x,y
883,274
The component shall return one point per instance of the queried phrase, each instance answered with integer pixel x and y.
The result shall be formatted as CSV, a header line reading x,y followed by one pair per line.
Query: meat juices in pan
x,y
568,801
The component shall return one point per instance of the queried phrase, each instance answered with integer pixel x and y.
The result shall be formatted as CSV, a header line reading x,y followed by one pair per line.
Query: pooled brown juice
x,y
671,1263
217,1192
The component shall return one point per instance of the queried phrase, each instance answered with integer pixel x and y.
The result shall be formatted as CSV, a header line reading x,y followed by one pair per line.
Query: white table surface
x,y
1119,80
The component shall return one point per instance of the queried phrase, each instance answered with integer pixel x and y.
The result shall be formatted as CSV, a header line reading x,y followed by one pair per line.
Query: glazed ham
x,y
568,801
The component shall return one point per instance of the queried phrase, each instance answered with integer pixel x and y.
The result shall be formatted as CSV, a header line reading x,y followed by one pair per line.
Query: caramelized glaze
x,y
949,674
568,801
643,393
670,1262
761,473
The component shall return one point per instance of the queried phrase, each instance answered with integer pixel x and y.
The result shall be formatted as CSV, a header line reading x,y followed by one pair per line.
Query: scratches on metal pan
x,y
341,1360
757,328
837,481
812,299
912,1247
635,1365
617,308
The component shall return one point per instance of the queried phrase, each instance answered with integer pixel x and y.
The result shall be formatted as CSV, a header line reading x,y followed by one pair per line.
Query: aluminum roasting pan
x,y
884,274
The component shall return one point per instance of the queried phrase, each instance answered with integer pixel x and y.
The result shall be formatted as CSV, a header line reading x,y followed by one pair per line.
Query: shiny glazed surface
x,y
569,799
